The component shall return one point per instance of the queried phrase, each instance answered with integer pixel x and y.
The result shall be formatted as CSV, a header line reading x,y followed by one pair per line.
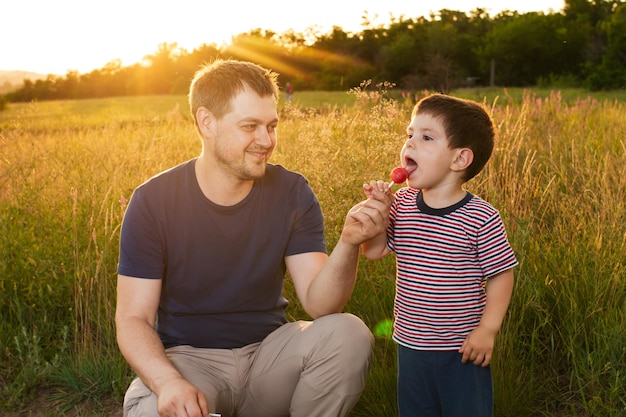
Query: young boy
x,y
448,244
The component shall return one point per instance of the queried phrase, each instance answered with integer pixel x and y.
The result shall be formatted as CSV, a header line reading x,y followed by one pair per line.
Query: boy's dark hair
x,y
467,125
216,84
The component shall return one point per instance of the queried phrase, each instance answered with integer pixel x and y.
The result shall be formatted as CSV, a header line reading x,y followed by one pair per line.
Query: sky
x,y
57,36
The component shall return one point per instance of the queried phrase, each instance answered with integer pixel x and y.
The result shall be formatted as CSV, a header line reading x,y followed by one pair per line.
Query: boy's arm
x,y
478,346
375,248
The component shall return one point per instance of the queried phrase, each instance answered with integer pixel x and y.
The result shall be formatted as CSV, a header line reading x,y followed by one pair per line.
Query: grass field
x,y
68,168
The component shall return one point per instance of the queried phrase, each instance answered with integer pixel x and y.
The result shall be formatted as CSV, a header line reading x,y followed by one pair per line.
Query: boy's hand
x,y
378,195
478,347
378,190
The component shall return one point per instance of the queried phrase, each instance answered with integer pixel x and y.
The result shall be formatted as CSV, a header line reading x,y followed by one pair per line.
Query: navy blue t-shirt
x,y
222,266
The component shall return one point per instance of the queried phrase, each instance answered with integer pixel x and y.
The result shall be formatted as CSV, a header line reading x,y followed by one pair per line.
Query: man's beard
x,y
244,171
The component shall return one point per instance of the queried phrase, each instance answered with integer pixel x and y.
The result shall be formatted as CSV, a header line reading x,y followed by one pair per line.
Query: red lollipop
x,y
398,175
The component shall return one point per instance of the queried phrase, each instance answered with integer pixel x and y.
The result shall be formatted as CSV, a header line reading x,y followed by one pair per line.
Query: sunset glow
x,y
56,37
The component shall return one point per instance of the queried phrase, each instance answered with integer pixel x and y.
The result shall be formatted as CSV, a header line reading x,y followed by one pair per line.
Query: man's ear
x,y
464,158
205,121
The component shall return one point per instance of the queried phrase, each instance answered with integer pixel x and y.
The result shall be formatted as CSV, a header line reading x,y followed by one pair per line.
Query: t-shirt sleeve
x,y
393,211
494,251
308,223
141,249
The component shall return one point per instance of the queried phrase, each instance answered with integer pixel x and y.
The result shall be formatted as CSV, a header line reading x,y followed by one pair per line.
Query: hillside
x,y
11,80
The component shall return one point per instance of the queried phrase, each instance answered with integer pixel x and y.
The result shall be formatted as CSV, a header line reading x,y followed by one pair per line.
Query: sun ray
x,y
269,53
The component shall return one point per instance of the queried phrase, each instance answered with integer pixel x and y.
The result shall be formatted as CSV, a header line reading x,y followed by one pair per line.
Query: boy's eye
x,y
426,137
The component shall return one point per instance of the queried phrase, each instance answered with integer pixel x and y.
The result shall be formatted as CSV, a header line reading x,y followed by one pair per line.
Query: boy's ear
x,y
464,158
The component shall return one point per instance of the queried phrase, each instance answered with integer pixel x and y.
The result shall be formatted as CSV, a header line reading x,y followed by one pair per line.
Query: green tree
x,y
529,46
403,56
453,39
611,73
341,62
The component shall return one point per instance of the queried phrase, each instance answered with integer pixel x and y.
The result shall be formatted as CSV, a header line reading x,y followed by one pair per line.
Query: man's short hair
x,y
216,84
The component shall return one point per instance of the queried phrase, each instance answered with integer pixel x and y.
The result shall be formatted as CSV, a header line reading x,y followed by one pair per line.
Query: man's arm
x,y
325,283
137,304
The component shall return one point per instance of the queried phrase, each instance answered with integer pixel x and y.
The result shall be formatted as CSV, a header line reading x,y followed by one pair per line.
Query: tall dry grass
x,y
67,170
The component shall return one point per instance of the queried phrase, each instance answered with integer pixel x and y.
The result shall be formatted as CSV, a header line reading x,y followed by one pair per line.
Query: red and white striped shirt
x,y
444,258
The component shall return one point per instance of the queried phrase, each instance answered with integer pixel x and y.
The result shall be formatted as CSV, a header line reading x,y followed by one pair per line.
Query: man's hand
x,y
179,398
370,217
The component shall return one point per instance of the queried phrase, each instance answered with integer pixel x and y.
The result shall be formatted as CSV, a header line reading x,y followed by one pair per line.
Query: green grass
x,y
557,176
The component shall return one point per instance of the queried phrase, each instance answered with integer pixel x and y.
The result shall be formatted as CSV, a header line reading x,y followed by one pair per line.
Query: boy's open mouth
x,y
410,165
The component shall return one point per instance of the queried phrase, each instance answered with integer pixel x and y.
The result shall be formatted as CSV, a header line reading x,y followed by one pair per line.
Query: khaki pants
x,y
302,369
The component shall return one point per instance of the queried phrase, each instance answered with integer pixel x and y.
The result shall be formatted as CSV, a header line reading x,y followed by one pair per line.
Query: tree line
x,y
582,45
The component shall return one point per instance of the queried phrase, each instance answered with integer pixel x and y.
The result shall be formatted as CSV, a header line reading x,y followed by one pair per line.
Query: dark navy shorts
x,y
438,384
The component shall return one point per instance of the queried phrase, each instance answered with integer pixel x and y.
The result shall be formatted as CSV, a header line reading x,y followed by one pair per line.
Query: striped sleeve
x,y
495,254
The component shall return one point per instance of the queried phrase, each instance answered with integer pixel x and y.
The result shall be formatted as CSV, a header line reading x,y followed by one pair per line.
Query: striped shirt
x,y
444,258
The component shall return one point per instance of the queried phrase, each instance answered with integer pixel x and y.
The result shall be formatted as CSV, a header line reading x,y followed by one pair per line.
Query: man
x,y
203,253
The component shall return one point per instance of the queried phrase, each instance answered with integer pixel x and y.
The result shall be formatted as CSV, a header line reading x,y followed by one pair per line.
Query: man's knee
x,y
350,334
139,401
348,323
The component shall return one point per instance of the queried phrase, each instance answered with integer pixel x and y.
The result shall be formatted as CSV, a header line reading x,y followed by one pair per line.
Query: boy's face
x,y
426,154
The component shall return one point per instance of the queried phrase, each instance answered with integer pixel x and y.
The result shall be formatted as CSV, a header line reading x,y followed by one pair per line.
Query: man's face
x,y
246,136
